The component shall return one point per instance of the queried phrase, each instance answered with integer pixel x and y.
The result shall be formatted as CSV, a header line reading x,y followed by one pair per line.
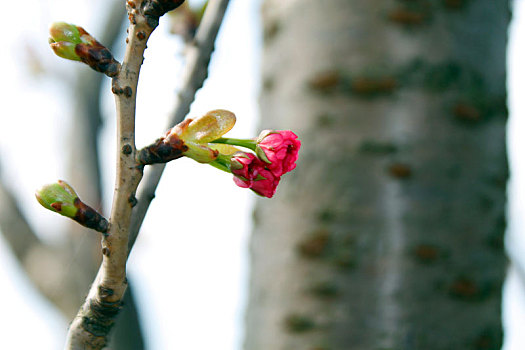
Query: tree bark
x,y
389,234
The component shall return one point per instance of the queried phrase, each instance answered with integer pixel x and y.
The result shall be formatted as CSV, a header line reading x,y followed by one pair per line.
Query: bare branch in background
x,y
195,72
15,228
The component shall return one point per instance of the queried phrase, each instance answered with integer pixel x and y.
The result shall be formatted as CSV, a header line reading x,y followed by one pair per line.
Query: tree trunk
x,y
389,233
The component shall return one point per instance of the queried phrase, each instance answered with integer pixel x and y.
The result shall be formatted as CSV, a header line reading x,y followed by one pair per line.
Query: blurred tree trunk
x,y
389,233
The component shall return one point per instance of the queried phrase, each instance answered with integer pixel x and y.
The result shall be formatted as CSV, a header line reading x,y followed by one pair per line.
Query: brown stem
x,y
89,217
162,150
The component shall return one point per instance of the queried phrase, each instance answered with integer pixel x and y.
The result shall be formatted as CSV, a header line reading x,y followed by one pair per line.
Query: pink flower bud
x,y
250,173
279,149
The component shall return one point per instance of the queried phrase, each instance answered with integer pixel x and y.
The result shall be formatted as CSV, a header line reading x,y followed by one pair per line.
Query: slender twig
x,y
196,71
95,318
84,167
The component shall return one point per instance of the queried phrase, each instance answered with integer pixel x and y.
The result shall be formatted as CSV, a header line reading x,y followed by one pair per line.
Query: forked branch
x,y
95,318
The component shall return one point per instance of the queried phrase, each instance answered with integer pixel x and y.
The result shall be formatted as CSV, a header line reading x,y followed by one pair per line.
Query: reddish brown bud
x,y
154,9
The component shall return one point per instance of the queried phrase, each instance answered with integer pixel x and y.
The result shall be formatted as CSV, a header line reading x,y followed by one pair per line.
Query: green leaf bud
x,y
65,50
74,43
58,197
61,31
61,198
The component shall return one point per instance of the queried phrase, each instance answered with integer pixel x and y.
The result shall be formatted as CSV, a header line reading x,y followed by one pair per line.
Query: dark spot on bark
x,y
296,323
407,17
464,288
127,40
466,112
115,88
373,86
100,317
131,18
132,200
488,339
400,170
454,4
426,253
467,289
106,251
271,30
268,84
315,244
325,82
128,91
326,215
141,35
325,290
345,258
105,292
126,149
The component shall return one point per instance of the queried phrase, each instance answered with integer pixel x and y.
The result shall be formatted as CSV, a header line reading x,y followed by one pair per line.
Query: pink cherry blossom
x,y
250,173
279,150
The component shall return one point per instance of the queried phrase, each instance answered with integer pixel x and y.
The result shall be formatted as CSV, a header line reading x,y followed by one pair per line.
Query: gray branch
x,y
15,228
196,71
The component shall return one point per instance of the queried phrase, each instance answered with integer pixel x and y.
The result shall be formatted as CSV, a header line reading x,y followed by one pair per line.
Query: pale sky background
x,y
202,262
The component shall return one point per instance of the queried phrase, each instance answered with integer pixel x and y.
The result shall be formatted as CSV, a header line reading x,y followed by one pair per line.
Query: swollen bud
x,y
61,31
210,126
64,38
154,9
74,43
190,138
61,198
58,197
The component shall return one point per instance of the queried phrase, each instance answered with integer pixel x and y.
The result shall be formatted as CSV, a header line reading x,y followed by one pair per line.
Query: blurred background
x,y
189,277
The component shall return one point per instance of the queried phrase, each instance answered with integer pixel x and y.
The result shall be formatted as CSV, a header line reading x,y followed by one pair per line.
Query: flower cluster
x,y
279,150
274,152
